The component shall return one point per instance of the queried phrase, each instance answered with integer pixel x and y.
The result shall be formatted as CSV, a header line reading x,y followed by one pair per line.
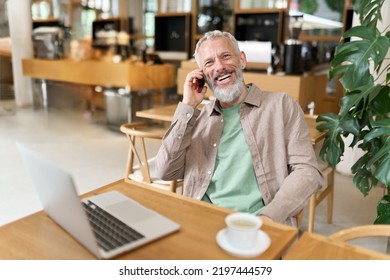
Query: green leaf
x,y
349,101
369,11
381,128
362,177
362,32
362,180
357,101
354,57
327,121
336,71
381,159
380,102
350,124
361,163
382,171
335,151
383,211
333,147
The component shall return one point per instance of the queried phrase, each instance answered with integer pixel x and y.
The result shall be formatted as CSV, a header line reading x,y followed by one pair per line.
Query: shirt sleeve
x,y
304,176
170,159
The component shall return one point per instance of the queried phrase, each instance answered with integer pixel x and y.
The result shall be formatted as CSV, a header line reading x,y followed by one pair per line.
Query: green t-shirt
x,y
234,183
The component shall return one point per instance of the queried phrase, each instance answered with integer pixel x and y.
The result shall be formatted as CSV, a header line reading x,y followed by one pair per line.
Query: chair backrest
x,y
317,143
137,133
361,232
141,169
311,121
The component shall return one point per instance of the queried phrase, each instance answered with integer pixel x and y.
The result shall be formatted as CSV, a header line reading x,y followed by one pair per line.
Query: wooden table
x,y
313,246
38,237
165,113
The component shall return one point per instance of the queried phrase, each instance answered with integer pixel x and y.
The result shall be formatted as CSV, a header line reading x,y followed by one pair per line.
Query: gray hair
x,y
211,35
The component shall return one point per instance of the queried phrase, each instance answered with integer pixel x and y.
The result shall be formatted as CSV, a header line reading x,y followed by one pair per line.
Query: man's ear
x,y
243,59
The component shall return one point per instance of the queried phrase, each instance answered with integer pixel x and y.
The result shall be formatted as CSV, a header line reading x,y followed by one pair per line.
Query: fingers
x,y
193,92
192,81
193,75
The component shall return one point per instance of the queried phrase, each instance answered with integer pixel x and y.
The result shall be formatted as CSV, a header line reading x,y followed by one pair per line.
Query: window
x,y
87,12
4,26
150,10
40,10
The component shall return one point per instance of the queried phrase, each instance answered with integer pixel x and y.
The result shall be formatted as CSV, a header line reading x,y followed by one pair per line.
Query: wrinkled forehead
x,y
215,47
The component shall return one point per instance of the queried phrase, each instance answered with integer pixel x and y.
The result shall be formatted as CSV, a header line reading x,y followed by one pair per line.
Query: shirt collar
x,y
253,95
252,98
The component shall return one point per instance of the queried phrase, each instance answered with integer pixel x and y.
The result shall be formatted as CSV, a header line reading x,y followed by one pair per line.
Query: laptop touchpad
x,y
129,212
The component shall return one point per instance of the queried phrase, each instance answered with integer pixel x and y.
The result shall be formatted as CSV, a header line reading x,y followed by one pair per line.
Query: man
x,y
248,150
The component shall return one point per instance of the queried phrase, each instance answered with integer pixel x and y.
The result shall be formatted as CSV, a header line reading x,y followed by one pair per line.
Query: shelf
x,y
259,27
320,38
258,11
173,35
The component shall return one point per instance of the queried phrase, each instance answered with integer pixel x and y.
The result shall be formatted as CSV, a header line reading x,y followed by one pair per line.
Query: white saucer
x,y
263,243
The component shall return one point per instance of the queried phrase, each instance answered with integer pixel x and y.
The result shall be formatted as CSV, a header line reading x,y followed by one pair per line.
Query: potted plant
x,y
365,107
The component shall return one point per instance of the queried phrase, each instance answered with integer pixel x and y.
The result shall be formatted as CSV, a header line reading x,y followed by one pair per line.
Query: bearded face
x,y
227,93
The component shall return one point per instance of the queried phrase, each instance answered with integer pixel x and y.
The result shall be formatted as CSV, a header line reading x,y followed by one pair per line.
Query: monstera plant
x,y
365,107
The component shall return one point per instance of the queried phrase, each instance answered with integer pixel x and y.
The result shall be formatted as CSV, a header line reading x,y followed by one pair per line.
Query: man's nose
x,y
219,65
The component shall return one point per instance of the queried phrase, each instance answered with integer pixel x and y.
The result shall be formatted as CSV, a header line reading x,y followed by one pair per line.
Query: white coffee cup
x,y
242,229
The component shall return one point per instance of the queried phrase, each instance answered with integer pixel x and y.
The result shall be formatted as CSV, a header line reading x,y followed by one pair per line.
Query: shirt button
x,y
198,197
188,115
179,137
221,120
215,145
209,172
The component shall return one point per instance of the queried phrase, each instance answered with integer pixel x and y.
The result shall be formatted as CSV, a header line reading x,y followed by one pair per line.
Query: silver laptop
x,y
107,224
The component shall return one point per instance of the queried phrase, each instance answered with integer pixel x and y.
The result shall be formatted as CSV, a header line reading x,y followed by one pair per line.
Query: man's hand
x,y
190,95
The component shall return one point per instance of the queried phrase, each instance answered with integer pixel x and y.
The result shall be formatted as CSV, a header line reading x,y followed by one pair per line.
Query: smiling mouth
x,y
222,78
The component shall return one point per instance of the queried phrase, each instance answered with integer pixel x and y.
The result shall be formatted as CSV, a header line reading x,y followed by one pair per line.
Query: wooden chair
x,y
360,232
140,169
363,231
327,191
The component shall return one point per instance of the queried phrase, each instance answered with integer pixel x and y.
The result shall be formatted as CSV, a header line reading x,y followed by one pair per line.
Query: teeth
x,y
224,77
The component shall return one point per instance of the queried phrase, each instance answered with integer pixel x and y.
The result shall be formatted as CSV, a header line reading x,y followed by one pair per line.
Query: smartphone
x,y
199,84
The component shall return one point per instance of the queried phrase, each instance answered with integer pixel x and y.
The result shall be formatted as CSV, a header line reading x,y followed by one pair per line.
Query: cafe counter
x,y
102,73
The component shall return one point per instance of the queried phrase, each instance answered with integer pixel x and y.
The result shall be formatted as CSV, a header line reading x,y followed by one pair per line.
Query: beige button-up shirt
x,y
279,141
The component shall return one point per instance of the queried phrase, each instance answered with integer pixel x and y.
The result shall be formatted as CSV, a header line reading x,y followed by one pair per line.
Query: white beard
x,y
230,93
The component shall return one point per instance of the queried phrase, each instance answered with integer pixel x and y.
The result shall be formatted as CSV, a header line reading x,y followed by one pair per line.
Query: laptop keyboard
x,y
110,232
